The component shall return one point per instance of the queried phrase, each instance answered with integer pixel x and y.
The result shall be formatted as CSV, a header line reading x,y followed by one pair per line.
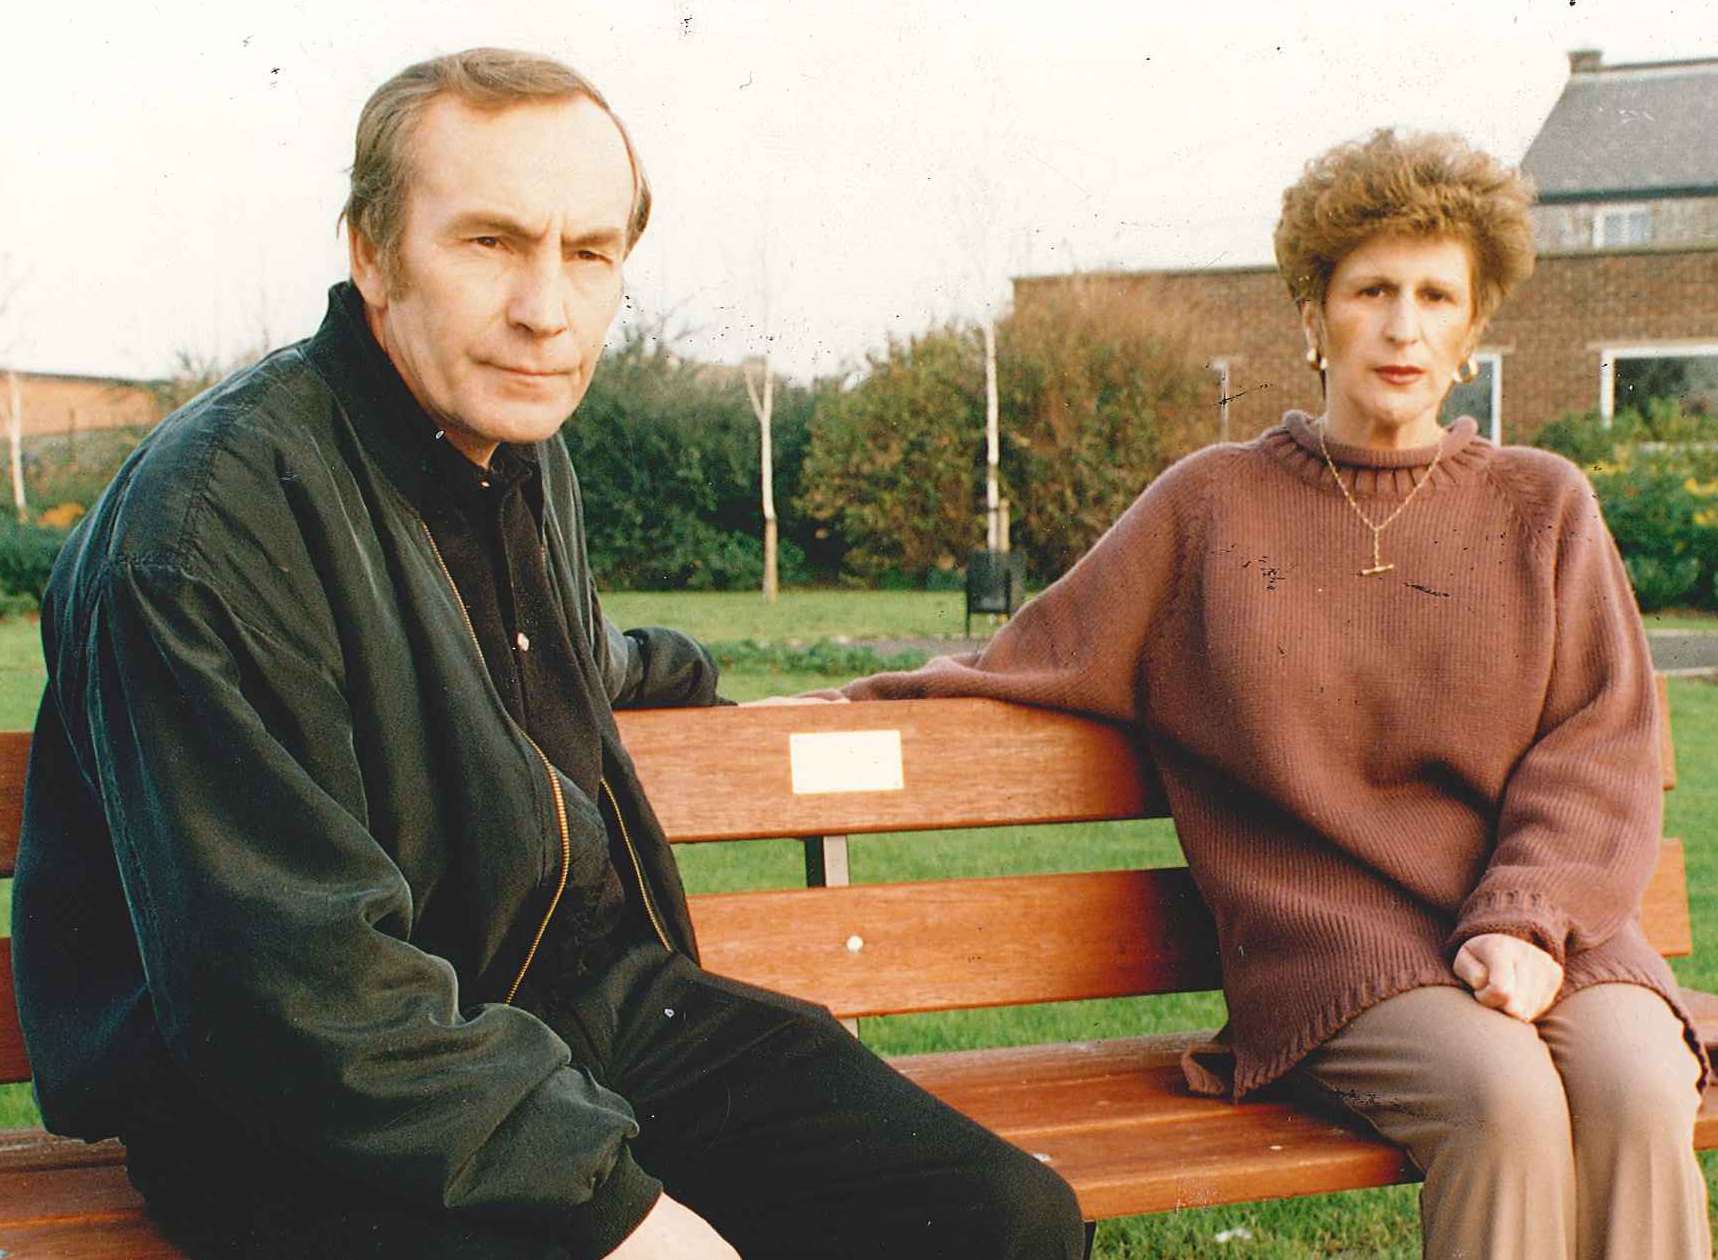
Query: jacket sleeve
x,y
1079,645
652,667
1580,819
273,929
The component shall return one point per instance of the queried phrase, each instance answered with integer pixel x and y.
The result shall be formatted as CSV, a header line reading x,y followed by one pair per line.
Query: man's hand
x,y
1509,974
673,1231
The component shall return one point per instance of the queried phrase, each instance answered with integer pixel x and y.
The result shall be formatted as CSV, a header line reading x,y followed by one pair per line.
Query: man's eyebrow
x,y
488,221
608,238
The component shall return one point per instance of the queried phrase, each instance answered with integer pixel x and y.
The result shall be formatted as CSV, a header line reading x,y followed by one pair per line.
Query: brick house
x,y
1623,306
56,404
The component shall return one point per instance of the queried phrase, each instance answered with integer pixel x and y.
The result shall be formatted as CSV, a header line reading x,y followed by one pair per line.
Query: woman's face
x,y
1396,323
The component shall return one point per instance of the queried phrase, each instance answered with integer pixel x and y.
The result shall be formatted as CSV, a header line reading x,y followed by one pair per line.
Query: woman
x,y
1397,690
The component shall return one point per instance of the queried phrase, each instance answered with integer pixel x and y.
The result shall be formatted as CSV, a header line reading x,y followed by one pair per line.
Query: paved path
x,y
1673,651
1684,651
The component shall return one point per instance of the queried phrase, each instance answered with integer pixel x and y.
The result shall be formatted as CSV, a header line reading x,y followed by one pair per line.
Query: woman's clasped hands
x,y
1509,974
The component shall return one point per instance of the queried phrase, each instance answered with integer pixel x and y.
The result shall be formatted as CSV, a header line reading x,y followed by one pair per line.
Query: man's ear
x,y
367,270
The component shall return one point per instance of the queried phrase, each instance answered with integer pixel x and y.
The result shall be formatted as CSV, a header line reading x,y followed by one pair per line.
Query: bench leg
x,y
826,867
825,861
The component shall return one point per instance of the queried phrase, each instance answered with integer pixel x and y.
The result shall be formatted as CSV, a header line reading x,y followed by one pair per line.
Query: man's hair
x,y
484,78
1407,185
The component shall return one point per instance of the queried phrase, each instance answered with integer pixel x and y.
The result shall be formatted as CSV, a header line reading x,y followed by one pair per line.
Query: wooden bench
x,y
1112,1116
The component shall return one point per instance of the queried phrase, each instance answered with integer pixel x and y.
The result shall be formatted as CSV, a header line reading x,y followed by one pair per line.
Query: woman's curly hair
x,y
1409,185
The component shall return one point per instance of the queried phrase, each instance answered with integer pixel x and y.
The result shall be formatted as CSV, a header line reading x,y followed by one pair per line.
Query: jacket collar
x,y
395,429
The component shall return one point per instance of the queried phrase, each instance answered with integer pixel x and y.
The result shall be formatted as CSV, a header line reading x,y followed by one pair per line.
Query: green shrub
x,y
679,552
65,469
27,555
837,660
667,454
1662,582
1585,439
1656,476
1098,393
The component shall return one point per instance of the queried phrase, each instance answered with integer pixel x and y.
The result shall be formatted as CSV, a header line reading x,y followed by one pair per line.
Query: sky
x,y
827,174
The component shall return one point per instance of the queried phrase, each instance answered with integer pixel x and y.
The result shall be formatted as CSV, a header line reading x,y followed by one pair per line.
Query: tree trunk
x,y
763,407
993,538
769,559
15,437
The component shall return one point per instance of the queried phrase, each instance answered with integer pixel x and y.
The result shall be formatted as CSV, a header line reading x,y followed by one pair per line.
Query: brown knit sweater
x,y
1365,771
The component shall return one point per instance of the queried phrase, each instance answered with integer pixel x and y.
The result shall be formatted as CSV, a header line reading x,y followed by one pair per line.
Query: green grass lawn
x,y
1365,1223
1682,619
797,616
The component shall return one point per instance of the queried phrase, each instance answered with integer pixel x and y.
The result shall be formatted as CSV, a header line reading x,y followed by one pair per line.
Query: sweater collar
x,y
1304,429
1374,473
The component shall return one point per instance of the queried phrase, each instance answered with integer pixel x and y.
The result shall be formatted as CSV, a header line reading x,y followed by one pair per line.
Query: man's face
x,y
509,268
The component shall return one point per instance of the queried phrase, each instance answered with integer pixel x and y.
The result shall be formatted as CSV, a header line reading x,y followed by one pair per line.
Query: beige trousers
x,y
1567,1139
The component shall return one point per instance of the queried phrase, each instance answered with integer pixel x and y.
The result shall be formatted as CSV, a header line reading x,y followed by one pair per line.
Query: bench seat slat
x,y
80,1192
129,1235
966,942
1664,910
958,944
14,757
35,1150
1126,1134
14,1064
1275,1152
874,949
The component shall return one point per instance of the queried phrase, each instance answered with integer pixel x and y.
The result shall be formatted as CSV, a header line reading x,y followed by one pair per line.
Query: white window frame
x,y
1495,358
1621,210
1609,354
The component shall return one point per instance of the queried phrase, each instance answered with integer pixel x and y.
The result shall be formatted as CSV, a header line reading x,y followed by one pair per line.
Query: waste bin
x,y
995,583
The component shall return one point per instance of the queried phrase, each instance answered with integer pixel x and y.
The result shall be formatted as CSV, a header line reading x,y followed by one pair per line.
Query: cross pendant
x,y
1378,565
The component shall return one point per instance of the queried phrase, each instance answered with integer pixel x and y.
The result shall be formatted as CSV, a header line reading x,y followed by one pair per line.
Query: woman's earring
x,y
1316,361
1467,373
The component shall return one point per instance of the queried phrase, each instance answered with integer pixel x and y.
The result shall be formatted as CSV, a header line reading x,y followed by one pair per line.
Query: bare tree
x,y
12,279
763,401
762,406
977,218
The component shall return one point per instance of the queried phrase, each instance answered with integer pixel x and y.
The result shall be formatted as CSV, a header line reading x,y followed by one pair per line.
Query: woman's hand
x,y
1509,974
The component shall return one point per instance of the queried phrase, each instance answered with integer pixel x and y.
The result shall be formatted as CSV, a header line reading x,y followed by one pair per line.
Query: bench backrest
x,y
765,773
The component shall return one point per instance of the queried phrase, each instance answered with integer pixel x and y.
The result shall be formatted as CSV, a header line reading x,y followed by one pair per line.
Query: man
x,y
337,897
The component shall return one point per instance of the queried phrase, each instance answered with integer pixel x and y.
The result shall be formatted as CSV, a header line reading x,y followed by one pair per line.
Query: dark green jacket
x,y
282,843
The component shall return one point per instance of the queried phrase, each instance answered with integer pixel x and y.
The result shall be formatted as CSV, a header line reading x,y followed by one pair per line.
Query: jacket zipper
x,y
548,770
637,868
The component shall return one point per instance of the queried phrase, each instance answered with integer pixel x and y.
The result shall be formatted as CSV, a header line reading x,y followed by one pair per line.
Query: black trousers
x,y
759,1112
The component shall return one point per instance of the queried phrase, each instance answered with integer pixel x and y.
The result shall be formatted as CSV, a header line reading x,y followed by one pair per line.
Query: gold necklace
x,y
1378,565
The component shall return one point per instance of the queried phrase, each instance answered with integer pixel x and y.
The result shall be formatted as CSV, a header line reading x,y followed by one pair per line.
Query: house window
x,y
1635,376
1618,227
1481,398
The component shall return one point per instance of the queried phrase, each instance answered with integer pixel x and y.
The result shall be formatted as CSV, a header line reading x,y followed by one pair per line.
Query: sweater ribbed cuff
x,y
1526,915
605,1220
